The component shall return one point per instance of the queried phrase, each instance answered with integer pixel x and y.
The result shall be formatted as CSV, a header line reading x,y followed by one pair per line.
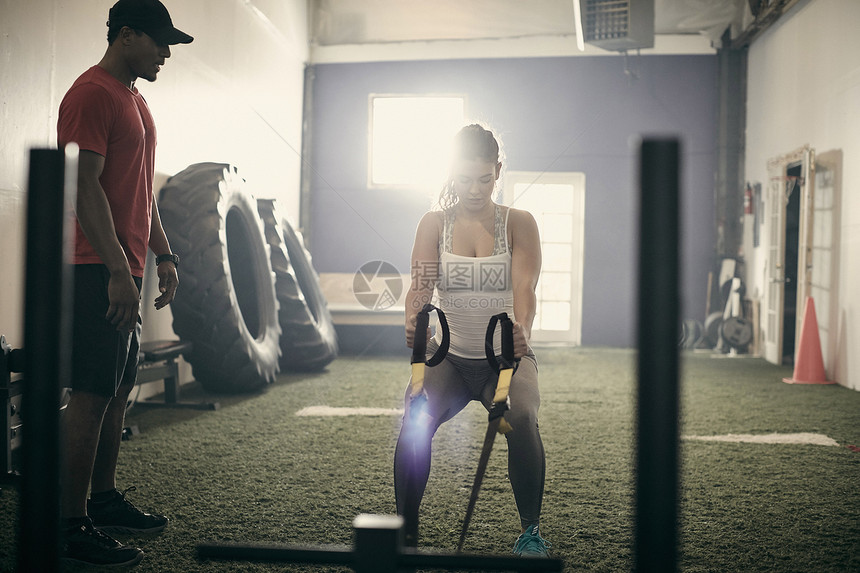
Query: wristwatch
x,y
172,257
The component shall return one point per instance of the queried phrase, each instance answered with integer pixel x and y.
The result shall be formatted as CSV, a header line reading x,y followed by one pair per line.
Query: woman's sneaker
x,y
86,544
531,544
119,516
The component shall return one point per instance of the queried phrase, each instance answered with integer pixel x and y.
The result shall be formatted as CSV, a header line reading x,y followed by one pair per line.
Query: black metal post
x,y
274,553
379,548
378,543
657,416
52,189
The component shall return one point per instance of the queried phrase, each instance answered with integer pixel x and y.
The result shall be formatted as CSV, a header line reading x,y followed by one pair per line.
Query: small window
x,y
410,138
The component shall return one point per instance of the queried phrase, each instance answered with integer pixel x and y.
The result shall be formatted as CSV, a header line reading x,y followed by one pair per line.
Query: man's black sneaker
x,y
119,516
86,544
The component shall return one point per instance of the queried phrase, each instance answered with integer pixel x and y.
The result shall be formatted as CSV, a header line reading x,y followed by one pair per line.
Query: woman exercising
x,y
480,258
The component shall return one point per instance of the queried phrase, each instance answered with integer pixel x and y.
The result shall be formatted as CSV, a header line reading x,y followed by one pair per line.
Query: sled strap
x,y
419,347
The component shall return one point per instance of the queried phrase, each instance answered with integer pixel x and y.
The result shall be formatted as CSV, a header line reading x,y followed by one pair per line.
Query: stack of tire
x,y
249,298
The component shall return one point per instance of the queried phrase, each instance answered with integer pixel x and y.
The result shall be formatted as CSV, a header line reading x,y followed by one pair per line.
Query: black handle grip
x,y
507,358
419,344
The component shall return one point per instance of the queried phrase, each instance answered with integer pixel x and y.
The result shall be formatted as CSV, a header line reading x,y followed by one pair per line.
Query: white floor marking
x,y
332,411
801,438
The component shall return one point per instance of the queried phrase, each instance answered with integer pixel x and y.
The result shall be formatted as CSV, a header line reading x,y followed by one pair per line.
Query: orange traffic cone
x,y
809,364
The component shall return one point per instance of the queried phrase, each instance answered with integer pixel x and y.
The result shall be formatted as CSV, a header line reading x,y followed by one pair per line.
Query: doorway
x,y
790,264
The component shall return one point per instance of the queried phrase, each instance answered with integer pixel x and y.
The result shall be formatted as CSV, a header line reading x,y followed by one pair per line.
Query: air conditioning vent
x,y
618,25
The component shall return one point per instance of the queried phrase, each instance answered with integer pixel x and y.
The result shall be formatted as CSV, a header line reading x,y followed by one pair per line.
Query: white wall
x,y
233,95
804,88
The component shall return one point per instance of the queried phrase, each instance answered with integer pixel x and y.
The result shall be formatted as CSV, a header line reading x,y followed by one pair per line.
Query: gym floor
x,y
255,471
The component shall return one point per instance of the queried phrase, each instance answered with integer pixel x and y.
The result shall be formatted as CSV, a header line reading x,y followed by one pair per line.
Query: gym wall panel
x,y
552,114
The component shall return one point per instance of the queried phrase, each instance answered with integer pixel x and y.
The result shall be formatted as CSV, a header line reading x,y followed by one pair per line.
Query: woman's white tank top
x,y
473,289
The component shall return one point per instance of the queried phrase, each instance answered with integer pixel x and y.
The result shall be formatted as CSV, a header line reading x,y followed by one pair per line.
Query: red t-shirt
x,y
102,115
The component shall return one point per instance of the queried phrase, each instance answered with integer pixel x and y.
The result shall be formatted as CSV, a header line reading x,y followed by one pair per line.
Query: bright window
x,y
410,138
557,202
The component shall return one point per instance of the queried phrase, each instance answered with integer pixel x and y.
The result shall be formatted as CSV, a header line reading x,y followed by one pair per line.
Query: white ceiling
x,y
342,22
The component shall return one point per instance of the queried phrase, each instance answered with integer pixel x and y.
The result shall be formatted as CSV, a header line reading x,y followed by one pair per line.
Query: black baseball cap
x,y
148,16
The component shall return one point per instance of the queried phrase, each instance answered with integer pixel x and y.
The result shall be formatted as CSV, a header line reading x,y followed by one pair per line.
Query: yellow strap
x,y
504,385
502,389
417,383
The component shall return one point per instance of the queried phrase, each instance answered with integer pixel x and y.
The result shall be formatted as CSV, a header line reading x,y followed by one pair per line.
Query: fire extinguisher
x,y
748,200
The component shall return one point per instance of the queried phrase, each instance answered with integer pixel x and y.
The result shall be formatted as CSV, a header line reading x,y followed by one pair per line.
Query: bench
x,y
158,362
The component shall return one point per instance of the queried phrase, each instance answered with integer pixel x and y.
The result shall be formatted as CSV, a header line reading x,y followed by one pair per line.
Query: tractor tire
x,y
226,303
308,338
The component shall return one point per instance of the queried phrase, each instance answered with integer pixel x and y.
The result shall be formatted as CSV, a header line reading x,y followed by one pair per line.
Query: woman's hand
x,y
410,331
521,341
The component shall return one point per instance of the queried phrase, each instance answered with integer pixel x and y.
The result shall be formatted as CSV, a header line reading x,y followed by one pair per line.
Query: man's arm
x,y
168,279
525,271
96,221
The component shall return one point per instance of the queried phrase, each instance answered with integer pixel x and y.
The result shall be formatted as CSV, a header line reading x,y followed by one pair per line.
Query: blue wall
x,y
552,114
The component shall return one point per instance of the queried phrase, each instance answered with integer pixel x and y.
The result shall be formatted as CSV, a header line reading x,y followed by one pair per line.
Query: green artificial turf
x,y
252,471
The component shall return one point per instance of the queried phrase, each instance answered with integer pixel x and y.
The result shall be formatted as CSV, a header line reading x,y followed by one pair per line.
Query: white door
x,y
780,188
825,250
805,242
774,285
557,202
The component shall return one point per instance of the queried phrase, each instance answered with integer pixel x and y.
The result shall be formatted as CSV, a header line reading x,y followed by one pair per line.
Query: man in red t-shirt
x,y
117,221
